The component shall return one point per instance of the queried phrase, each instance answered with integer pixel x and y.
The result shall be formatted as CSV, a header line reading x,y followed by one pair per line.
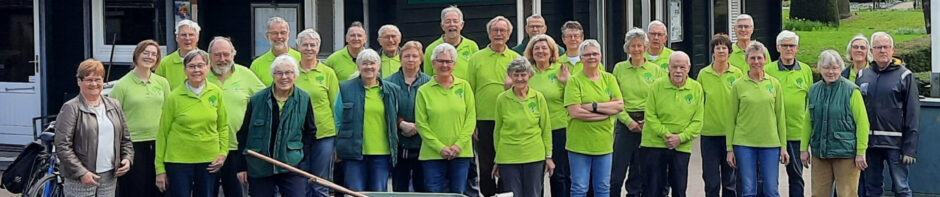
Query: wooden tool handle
x,y
310,177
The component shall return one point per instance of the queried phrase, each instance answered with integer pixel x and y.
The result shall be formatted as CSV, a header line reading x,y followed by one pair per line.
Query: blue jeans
x,y
749,159
587,167
560,181
190,180
874,179
795,169
407,175
369,174
720,178
318,160
288,184
446,176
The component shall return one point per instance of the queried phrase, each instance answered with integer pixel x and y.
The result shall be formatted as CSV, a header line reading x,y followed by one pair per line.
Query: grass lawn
x,y
866,22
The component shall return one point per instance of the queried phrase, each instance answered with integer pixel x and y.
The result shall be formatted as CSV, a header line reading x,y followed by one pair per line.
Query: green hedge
x,y
916,53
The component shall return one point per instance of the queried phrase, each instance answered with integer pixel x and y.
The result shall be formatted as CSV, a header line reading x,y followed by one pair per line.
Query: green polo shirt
x,y
390,65
323,87
374,138
795,85
236,91
445,117
739,58
662,60
758,111
262,66
193,129
343,63
859,115
488,77
635,82
546,82
673,110
717,90
465,49
172,68
523,132
597,137
142,103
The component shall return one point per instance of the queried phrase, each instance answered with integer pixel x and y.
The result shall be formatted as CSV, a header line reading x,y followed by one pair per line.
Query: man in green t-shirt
x,y
389,38
171,66
278,34
658,53
343,61
795,77
452,24
743,32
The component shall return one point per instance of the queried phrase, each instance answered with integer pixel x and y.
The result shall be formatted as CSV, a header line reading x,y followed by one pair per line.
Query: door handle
x,y
14,89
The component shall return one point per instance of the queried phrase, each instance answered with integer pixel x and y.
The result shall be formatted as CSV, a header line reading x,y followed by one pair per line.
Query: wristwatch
x,y
594,107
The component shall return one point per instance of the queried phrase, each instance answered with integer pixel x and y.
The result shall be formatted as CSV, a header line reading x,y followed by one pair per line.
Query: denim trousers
x,y
874,179
371,173
750,161
587,169
446,176
318,160
190,179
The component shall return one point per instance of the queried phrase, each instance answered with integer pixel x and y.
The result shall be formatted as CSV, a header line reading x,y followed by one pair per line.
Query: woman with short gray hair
x,y
837,150
522,136
367,139
858,53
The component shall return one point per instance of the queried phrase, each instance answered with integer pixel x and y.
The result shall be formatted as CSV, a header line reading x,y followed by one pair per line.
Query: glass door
x,y
20,96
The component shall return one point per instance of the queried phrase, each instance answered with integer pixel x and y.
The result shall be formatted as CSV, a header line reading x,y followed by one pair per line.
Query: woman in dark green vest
x,y
839,134
279,122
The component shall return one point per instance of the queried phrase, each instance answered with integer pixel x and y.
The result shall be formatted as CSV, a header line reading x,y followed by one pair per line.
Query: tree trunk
x,y
825,11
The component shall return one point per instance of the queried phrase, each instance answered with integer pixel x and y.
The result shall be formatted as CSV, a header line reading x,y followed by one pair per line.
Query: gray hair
x,y
587,43
520,64
881,34
534,16
192,55
830,58
368,55
355,24
444,48
285,59
389,27
848,48
497,19
743,17
222,39
656,23
276,20
187,23
633,34
756,46
308,33
452,8
788,35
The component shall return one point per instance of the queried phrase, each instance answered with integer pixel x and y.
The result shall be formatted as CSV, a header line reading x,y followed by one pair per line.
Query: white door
x,y
20,96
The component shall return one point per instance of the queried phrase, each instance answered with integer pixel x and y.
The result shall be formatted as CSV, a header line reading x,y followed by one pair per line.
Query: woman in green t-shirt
x,y
549,79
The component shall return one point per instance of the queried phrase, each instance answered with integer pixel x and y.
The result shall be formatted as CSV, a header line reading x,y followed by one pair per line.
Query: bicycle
x,y
50,183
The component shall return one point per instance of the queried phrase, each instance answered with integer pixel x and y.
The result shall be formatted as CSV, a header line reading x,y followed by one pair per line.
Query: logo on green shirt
x,y
320,79
466,54
213,100
689,98
552,77
607,90
648,76
799,82
731,81
770,88
459,92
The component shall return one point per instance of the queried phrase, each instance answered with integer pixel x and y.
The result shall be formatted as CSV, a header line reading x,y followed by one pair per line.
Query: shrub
x,y
804,25
909,31
915,53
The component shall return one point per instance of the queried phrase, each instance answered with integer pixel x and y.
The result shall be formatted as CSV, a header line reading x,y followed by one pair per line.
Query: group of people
x,y
454,118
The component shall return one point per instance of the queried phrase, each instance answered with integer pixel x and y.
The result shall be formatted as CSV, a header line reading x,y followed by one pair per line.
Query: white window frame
x,y
101,50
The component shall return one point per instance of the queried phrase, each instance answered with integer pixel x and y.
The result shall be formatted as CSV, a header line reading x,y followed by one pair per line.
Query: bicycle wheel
x,y
47,186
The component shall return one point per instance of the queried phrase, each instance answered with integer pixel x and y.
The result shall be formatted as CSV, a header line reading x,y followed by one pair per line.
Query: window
x,y
124,23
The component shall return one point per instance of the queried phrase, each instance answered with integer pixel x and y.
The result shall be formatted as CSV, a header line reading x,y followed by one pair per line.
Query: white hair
x,y
633,34
276,20
534,16
520,64
308,33
788,35
368,55
848,48
881,34
828,58
497,19
187,23
389,27
451,9
444,48
743,17
587,43
285,59
656,23
222,39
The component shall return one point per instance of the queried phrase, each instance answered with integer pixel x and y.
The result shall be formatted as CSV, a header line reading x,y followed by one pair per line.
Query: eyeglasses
x,y
591,54
278,33
859,47
92,80
283,73
443,61
499,30
195,66
881,47
742,26
788,46
657,34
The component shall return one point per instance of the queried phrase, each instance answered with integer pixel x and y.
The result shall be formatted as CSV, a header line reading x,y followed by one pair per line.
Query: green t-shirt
x,y
635,83
739,58
546,82
859,115
758,111
323,87
488,77
662,60
172,68
465,49
261,66
343,63
193,129
597,137
374,138
795,85
142,103
673,110
390,65
523,132
236,92
445,117
717,94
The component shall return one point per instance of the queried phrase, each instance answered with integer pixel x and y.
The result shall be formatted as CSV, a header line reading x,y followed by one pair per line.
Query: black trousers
x,y
140,181
486,153
627,157
666,168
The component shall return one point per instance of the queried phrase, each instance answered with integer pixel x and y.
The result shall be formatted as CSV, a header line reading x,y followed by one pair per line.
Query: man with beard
x,y
534,25
278,34
343,61
658,53
238,83
452,23
389,38
487,76
171,66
